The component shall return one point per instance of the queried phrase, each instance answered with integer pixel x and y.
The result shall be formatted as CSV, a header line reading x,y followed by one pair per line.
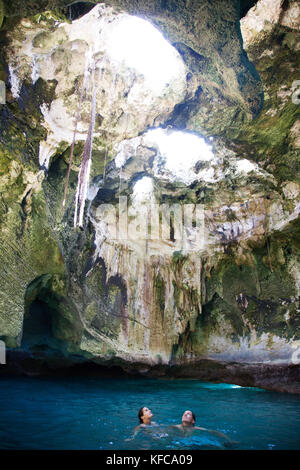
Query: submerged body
x,y
187,427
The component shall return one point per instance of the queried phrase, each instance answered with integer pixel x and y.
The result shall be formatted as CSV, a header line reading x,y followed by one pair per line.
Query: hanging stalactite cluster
x,y
85,167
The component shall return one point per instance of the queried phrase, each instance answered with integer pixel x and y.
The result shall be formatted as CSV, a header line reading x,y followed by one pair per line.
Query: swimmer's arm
x,y
211,431
220,434
135,432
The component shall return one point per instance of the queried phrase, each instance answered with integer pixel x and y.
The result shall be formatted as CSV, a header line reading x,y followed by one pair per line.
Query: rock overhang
x,y
240,243
223,85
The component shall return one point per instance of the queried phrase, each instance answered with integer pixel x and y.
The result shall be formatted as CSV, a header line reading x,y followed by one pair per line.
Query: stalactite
x,y
72,146
85,167
83,89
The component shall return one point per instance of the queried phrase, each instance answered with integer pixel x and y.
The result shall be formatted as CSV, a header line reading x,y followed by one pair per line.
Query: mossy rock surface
x,y
122,305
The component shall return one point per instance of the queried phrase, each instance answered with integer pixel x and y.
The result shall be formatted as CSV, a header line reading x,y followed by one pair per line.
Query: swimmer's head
x,y
188,418
144,415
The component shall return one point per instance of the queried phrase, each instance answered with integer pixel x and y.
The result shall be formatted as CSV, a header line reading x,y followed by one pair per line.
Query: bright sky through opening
x,y
181,151
143,189
141,46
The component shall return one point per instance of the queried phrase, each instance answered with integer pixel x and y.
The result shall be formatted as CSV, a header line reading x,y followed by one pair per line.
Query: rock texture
x,y
223,86
223,308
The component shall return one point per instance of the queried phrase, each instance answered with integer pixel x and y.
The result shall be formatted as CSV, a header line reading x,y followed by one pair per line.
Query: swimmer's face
x,y
187,417
147,413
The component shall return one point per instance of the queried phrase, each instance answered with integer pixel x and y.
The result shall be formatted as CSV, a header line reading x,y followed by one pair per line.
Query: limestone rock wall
x,y
139,302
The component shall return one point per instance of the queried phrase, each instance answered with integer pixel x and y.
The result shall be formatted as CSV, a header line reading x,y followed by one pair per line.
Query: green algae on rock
x,y
154,306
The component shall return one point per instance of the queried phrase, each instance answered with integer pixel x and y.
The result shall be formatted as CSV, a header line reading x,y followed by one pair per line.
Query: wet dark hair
x,y
140,414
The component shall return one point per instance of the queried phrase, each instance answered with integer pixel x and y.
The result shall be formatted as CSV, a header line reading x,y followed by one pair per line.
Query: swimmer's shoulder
x,y
177,426
138,427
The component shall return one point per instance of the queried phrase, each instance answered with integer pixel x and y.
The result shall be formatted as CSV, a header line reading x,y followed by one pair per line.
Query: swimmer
x,y
187,421
144,416
188,425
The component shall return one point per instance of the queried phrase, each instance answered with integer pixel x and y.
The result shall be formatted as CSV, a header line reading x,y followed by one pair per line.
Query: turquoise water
x,y
97,413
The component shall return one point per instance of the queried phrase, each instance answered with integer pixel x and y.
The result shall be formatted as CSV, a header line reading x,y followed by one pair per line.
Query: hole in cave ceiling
x,y
141,46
